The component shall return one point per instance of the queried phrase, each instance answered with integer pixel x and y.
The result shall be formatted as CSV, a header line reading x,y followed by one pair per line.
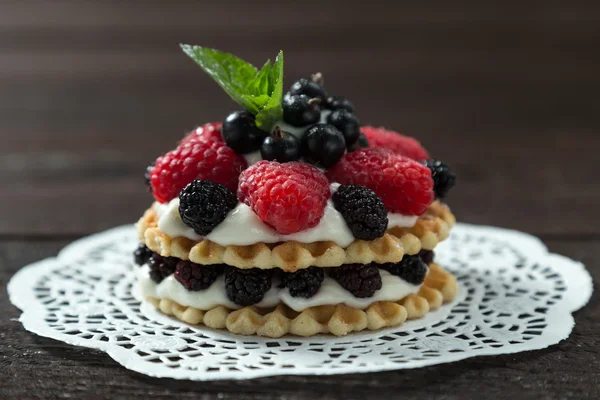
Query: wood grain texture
x,y
91,92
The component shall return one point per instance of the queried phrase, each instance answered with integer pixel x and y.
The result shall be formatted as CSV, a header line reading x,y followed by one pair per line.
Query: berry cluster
x,y
290,197
362,280
141,255
329,124
411,268
443,178
204,204
247,286
381,171
161,267
404,185
427,256
196,158
196,277
363,211
303,283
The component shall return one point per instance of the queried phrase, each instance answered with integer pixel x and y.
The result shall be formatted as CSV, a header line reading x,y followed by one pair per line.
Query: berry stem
x,y
277,132
318,78
315,101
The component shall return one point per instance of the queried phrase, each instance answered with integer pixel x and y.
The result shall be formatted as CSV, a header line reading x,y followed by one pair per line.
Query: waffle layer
x,y
430,229
338,319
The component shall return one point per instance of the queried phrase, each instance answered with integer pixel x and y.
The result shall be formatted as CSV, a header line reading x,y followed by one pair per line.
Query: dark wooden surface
x,y
90,92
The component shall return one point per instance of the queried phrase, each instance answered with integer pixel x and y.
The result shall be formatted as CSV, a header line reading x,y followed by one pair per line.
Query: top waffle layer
x,y
430,229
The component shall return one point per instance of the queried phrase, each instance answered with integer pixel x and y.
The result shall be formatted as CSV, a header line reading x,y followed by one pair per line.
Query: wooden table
x,y
508,95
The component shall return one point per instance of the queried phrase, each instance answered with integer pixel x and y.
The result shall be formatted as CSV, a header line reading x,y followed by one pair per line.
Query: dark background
x,y
91,92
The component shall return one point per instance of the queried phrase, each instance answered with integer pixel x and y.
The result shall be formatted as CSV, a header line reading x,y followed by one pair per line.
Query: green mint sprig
x,y
258,91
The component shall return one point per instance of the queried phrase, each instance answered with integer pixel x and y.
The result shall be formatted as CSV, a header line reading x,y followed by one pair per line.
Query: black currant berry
x,y
280,146
323,145
347,123
339,102
241,133
360,143
309,87
301,110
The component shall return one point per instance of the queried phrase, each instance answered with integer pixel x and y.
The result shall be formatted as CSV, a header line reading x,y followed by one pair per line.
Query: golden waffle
x,y
431,228
439,287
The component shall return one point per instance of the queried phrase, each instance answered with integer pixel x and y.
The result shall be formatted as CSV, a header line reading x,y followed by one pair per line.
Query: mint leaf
x,y
260,84
258,91
273,110
230,72
257,101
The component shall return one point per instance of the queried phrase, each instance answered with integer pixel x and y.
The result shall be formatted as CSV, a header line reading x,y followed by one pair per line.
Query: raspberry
x,y
289,197
195,276
362,280
161,267
197,159
363,211
211,130
427,256
412,269
399,144
303,283
247,286
142,254
404,185
204,204
443,178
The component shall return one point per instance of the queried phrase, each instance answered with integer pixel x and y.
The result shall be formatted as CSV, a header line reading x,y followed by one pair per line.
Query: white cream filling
x,y
393,288
242,227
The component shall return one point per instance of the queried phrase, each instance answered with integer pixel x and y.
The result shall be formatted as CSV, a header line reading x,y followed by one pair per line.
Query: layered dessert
x,y
289,217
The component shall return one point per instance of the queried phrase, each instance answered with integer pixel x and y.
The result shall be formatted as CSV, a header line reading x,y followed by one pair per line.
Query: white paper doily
x,y
513,296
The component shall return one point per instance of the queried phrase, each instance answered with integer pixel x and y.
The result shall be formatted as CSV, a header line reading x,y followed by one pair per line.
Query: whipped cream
x,y
393,288
242,227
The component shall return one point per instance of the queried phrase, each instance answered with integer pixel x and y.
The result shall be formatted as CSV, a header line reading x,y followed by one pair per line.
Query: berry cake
x,y
289,217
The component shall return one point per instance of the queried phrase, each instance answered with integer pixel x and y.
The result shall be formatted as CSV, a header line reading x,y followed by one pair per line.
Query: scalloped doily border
x,y
578,291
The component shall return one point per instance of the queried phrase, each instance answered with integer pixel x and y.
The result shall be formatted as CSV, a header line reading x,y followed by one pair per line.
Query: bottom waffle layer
x,y
439,287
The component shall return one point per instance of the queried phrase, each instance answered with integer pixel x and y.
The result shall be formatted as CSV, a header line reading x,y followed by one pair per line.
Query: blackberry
x,y
427,256
301,110
412,269
339,103
347,123
247,286
149,169
311,88
204,204
360,143
280,146
362,280
304,282
364,212
443,178
142,254
161,267
195,276
241,133
323,145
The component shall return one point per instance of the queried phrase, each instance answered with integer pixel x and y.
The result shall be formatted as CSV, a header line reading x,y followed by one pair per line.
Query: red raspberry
x,y
211,130
404,185
200,158
399,144
289,197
